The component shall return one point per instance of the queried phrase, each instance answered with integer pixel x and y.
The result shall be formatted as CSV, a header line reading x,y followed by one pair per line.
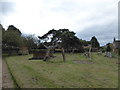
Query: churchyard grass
x,y
77,72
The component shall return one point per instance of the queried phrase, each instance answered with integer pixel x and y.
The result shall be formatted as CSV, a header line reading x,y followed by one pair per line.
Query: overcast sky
x,y
86,18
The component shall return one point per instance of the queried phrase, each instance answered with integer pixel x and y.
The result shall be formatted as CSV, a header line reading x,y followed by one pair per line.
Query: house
x,y
10,50
116,45
23,51
39,53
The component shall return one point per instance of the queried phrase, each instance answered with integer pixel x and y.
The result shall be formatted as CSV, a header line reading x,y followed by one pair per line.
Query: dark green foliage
x,y
11,38
85,43
64,37
29,41
103,49
13,28
108,48
94,42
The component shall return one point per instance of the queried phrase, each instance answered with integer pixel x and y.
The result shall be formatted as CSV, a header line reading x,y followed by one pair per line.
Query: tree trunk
x,y
47,55
63,54
73,51
90,56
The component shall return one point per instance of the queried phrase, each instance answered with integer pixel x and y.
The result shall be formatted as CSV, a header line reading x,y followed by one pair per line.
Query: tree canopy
x,y
108,49
29,41
94,42
63,37
13,37
13,28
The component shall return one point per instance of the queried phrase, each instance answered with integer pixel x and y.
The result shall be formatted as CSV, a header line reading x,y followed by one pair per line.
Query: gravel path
x,y
7,81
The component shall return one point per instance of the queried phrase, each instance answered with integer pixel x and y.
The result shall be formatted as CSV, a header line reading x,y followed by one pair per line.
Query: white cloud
x,y
39,16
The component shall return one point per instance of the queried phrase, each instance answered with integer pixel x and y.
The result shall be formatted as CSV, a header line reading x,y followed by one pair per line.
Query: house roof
x,y
116,44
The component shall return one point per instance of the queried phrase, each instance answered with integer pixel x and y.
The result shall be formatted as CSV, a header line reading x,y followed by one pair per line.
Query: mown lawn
x,y
77,72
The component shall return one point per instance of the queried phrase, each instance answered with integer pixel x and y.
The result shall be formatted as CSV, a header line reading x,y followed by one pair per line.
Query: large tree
x,y
108,48
13,28
63,38
94,42
11,38
29,41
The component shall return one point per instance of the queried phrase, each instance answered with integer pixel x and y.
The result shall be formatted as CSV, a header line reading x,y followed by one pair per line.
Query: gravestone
x,y
108,54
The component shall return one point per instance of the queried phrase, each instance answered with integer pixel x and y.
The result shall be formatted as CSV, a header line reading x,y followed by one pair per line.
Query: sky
x,y
87,18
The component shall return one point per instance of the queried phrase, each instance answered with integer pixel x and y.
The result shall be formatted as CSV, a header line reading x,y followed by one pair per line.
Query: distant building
x,y
39,53
116,45
23,51
10,50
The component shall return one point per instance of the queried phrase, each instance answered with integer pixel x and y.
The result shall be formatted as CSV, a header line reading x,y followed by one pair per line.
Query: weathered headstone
x,y
108,54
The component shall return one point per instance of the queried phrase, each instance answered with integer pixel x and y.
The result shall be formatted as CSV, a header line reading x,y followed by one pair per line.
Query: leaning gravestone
x,y
108,54
108,51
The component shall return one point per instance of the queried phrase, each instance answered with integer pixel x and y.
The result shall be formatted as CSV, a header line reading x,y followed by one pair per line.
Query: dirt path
x,y
0,73
7,81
